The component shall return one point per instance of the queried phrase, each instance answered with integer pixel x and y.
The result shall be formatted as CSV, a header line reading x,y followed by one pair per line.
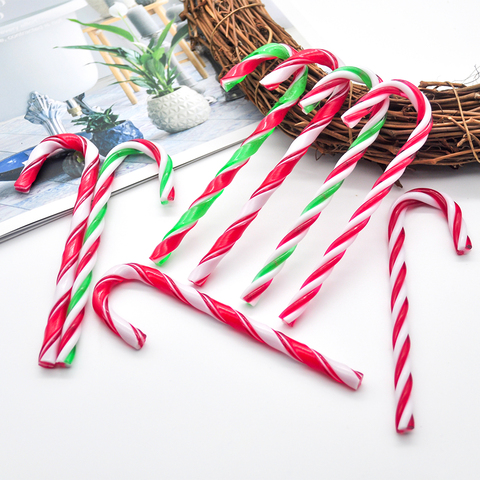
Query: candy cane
x,y
221,312
248,148
343,168
96,223
380,189
404,421
40,153
297,150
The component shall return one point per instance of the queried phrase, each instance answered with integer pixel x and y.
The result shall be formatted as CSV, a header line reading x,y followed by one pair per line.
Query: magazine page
x,y
228,120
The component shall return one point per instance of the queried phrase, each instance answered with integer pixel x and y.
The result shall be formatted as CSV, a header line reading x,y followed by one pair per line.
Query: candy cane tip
x,y
227,85
410,427
63,365
252,301
197,281
350,122
308,108
288,321
22,188
142,338
44,364
269,86
251,298
355,385
159,261
468,247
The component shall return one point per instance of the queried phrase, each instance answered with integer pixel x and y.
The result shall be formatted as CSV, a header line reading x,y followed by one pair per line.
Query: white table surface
x,y
202,401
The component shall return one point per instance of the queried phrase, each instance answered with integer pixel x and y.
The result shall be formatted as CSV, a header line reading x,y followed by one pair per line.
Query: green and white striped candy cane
x,y
333,182
96,223
248,148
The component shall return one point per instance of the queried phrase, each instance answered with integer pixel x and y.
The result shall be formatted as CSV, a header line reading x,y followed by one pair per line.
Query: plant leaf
x,y
164,34
140,82
151,44
122,67
108,28
182,32
117,51
158,52
145,58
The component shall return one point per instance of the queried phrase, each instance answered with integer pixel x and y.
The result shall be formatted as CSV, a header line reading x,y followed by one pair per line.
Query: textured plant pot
x,y
178,111
107,139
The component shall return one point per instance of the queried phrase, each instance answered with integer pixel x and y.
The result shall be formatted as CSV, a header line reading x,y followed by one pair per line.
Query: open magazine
x,y
229,123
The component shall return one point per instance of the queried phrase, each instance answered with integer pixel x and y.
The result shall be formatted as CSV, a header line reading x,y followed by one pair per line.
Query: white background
x,y
414,40
201,401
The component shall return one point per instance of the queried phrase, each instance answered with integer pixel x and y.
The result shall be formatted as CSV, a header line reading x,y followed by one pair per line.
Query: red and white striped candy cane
x,y
380,189
49,146
404,421
270,51
96,222
344,167
338,89
221,312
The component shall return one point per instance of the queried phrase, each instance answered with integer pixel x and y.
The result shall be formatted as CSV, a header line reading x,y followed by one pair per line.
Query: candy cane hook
x,y
95,225
344,167
49,146
242,155
380,189
221,312
404,421
338,91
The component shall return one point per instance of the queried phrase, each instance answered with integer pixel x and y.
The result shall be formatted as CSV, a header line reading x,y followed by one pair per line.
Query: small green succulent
x,y
98,121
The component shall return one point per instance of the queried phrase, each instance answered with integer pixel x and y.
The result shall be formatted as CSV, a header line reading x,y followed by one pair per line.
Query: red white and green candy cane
x,y
344,167
96,223
248,148
296,151
380,189
404,421
221,312
81,210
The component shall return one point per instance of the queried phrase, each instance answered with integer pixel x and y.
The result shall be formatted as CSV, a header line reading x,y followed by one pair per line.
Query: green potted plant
x,y
107,131
171,108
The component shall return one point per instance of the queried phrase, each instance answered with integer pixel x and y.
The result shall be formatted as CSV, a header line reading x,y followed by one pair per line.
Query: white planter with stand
x,y
177,111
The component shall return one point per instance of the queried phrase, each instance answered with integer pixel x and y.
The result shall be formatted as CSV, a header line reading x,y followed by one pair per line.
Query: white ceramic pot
x,y
177,111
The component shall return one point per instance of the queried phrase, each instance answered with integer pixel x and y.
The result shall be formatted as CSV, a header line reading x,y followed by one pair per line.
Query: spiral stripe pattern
x,y
221,312
96,222
73,245
380,189
404,421
240,158
270,51
343,168
276,177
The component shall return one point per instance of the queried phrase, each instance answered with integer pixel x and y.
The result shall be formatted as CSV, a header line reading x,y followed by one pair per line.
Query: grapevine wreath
x,y
232,29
